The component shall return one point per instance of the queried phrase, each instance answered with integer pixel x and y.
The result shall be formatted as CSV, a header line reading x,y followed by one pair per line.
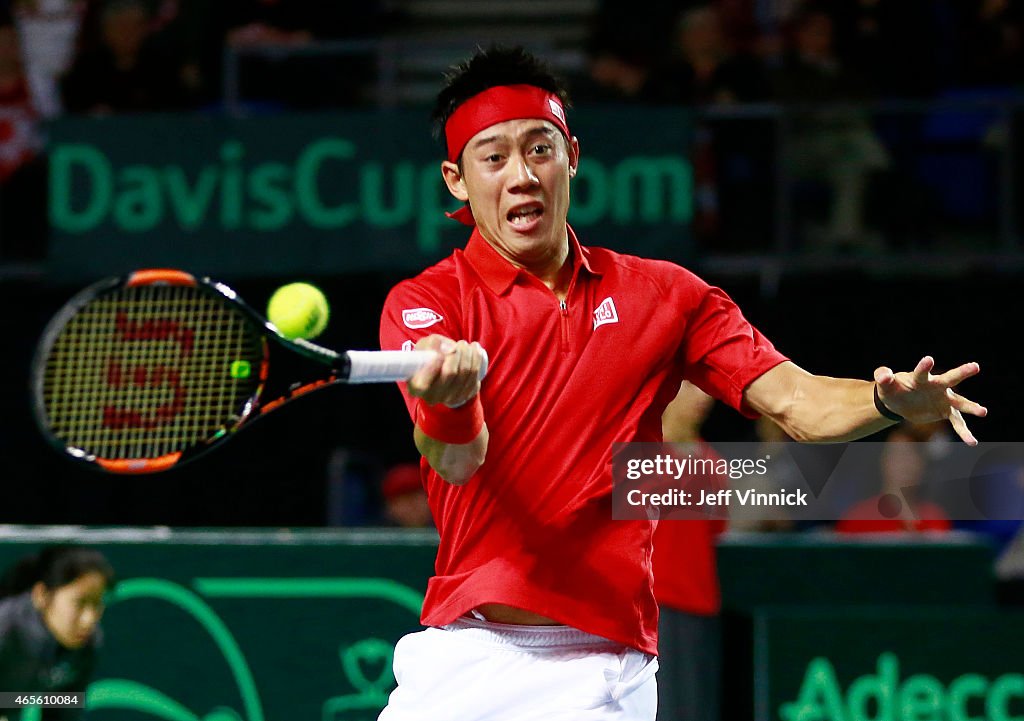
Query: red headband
x,y
496,105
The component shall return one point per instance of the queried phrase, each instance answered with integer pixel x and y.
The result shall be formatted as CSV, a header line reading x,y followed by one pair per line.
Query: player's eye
x,y
541,149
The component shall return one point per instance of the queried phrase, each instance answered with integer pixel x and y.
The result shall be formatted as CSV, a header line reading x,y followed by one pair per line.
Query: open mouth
x,y
524,215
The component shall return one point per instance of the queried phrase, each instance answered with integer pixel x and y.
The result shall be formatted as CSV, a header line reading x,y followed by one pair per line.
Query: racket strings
x,y
146,371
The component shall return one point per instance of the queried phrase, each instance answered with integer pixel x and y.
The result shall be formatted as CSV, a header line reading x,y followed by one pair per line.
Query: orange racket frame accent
x,y
139,465
163,276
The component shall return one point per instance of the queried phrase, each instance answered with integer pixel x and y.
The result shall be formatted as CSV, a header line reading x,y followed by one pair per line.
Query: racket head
x,y
139,373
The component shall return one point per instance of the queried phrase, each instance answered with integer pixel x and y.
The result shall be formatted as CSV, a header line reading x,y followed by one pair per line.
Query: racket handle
x,y
388,366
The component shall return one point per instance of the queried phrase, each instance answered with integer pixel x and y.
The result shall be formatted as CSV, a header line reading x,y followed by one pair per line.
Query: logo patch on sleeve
x,y
420,317
605,313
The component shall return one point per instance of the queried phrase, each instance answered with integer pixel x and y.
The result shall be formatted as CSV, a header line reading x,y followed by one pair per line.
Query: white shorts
x,y
489,671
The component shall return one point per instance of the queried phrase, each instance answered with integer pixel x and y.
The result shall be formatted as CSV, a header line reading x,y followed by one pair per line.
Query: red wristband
x,y
451,425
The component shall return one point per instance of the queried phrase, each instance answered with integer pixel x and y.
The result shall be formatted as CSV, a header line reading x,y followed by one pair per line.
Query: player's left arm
x,y
820,408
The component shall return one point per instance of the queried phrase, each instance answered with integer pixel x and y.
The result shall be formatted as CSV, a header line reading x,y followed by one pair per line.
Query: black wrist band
x,y
885,411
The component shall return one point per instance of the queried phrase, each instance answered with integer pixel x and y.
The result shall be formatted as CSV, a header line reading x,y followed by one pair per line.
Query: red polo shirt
x,y
533,528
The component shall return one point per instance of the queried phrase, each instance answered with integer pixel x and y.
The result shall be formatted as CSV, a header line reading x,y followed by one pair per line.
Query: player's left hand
x,y
921,397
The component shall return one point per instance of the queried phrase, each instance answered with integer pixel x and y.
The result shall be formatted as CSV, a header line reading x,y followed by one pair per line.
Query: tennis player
x,y
541,606
50,608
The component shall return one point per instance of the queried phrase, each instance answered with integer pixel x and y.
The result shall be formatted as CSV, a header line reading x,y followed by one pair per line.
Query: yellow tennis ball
x,y
298,310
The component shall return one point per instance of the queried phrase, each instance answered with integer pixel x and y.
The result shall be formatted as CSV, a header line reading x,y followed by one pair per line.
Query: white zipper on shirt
x,y
563,308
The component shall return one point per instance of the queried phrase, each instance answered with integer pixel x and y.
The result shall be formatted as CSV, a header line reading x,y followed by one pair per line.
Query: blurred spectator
x,y
19,137
182,31
937,444
836,146
771,18
405,498
623,47
194,30
22,172
126,72
51,603
686,585
269,22
187,35
49,31
899,507
302,79
937,438
782,473
705,69
617,71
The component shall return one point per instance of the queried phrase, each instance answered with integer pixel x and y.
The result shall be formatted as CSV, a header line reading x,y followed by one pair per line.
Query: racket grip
x,y
388,366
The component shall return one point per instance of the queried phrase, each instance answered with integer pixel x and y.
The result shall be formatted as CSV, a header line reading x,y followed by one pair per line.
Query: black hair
x,y
55,567
497,65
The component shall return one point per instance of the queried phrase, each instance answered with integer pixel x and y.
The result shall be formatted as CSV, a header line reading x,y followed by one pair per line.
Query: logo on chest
x,y
420,317
605,313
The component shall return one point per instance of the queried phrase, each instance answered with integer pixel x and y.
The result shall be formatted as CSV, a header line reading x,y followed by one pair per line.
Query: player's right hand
x,y
453,377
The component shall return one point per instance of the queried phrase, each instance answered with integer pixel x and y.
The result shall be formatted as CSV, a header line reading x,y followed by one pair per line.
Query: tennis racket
x,y
141,373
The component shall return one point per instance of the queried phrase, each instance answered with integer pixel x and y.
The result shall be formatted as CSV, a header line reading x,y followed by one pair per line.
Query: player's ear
x,y
455,180
40,597
574,156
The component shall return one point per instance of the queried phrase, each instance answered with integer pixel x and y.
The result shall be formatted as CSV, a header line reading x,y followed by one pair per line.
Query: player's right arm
x,y
443,397
448,392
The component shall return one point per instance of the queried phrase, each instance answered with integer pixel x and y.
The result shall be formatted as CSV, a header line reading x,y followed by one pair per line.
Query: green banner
x,y
301,625
889,664
328,193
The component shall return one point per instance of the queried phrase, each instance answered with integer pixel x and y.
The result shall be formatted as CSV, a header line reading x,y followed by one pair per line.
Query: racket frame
x,y
337,367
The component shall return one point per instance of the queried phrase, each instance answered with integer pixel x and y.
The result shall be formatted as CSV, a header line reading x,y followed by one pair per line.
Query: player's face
x,y
72,612
515,176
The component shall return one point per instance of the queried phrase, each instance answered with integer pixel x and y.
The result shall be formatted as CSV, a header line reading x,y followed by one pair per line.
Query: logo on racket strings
x,y
132,384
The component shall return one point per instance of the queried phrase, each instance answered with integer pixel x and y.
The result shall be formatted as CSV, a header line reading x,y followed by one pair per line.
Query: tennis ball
x,y
299,310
